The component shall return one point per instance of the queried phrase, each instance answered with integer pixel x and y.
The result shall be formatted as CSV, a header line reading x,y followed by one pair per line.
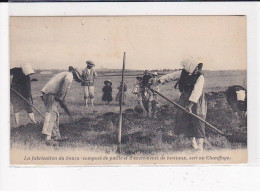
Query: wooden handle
x,y
120,104
28,102
192,114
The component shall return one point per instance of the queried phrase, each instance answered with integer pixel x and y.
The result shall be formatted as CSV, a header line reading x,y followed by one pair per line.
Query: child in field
x,y
137,86
149,98
138,96
121,91
107,92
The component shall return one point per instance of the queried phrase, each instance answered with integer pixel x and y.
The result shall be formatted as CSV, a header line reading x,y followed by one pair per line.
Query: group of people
x,y
146,99
107,92
190,82
54,93
88,77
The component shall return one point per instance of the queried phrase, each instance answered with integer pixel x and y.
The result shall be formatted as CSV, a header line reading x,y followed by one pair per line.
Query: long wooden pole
x,y
120,105
28,102
192,114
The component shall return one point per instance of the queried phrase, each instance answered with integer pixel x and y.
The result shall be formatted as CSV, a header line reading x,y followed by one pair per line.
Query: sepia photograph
x,y
122,90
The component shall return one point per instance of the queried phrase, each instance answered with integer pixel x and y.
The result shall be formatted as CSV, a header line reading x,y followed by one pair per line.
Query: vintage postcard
x,y
122,90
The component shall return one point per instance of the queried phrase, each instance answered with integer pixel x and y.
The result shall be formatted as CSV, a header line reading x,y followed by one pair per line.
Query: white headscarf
x,y
189,64
27,69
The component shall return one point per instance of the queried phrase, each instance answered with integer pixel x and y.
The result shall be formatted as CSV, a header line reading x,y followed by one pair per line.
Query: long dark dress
x,y
187,124
107,94
22,84
191,126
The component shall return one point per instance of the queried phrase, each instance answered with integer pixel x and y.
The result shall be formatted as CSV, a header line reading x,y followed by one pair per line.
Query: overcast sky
x,y
150,42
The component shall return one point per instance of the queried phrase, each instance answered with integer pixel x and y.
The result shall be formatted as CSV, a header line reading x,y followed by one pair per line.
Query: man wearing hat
x,y
149,98
146,76
52,93
88,77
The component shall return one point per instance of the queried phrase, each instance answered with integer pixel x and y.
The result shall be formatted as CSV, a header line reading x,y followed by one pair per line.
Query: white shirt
x,y
198,87
54,84
88,70
197,90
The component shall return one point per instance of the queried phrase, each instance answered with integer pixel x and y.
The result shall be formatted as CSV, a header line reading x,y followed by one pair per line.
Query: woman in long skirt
x,y
191,83
21,83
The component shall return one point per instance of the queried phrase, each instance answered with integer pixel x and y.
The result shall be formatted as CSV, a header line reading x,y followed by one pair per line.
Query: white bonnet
x,y
27,69
189,64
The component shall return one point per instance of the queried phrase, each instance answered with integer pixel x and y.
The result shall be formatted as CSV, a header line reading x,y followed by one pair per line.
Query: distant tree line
x,y
164,70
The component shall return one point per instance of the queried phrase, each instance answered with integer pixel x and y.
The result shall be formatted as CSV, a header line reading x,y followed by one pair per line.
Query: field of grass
x,y
96,129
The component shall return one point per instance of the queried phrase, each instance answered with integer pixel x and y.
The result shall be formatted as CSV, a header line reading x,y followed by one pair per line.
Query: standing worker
x,y
153,99
54,92
88,77
21,83
149,98
191,83
137,91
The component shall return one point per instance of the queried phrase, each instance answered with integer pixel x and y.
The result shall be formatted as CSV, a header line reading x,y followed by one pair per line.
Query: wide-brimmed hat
x,y
108,81
90,63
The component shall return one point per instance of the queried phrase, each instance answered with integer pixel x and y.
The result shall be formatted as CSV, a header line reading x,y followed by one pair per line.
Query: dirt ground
x,y
97,128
